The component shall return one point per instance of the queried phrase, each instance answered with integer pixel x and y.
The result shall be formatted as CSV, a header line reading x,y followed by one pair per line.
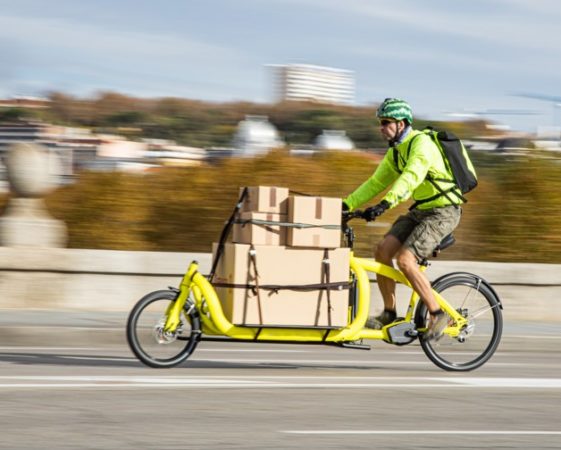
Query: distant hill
x,y
204,124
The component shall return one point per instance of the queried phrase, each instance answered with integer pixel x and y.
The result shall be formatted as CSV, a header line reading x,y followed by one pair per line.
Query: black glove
x,y
345,207
371,213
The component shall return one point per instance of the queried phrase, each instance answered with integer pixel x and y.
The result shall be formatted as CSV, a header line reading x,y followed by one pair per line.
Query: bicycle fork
x,y
173,311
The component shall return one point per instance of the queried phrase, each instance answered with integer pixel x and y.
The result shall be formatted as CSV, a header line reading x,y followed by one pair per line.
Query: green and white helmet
x,y
394,108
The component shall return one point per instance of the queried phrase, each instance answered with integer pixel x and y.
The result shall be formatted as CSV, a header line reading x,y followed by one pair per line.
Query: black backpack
x,y
457,161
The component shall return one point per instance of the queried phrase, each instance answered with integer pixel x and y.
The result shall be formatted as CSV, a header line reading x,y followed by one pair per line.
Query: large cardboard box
x,y
281,266
266,199
314,211
260,234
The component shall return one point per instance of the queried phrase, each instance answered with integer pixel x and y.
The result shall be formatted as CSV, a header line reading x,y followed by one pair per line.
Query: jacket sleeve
x,y
382,177
422,156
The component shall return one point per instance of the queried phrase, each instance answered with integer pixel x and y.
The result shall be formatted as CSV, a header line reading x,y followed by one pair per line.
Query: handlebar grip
x,y
348,215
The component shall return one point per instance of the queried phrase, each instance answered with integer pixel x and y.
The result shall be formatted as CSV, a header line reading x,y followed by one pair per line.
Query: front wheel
x,y
147,338
474,299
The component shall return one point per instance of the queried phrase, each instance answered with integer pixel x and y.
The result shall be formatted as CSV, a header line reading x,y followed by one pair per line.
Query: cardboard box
x,y
260,234
282,266
266,199
314,211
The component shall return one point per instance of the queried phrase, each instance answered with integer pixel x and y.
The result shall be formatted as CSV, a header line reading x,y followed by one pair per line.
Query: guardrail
x,y
107,280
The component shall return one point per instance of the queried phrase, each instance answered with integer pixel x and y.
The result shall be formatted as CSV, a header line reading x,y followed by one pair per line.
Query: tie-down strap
x,y
333,286
244,222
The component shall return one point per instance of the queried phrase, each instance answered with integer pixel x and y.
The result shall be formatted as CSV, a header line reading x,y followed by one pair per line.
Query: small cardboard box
x,y
266,199
260,234
314,211
281,266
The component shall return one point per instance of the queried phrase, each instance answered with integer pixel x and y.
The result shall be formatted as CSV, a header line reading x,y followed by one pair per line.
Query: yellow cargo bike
x,y
165,326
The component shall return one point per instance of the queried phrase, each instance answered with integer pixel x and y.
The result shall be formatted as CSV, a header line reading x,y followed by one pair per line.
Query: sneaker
x,y
376,323
438,323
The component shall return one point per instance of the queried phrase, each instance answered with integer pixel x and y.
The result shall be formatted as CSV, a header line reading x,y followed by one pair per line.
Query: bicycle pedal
x,y
401,333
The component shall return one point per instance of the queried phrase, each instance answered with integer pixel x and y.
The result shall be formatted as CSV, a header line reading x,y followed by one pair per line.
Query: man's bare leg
x,y
385,252
407,263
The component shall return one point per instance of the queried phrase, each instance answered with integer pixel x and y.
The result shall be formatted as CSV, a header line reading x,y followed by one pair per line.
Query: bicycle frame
x,y
194,313
197,292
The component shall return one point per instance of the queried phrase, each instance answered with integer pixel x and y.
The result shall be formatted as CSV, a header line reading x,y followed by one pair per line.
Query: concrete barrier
x,y
102,280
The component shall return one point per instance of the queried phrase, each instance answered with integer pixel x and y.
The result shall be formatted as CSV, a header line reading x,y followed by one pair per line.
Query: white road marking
x,y
507,382
538,336
57,328
57,349
434,432
274,382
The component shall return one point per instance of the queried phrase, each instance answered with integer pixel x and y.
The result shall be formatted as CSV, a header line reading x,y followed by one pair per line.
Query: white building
x,y
69,145
304,82
256,135
548,138
334,140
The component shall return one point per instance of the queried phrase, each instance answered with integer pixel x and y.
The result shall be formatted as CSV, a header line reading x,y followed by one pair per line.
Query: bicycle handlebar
x,y
348,215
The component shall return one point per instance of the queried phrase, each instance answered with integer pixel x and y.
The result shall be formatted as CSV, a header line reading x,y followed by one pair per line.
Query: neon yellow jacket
x,y
424,158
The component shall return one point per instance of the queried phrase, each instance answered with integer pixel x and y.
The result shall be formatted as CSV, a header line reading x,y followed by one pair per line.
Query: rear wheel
x,y
147,338
479,339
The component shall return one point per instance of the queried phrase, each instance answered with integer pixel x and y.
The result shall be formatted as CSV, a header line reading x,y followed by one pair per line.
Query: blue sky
x,y
442,56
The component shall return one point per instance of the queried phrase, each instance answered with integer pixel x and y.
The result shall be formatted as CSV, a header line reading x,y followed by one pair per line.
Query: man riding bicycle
x,y
412,156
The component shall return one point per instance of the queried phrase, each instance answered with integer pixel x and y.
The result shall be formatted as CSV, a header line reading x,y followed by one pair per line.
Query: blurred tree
x,y
67,110
12,114
126,118
197,123
511,216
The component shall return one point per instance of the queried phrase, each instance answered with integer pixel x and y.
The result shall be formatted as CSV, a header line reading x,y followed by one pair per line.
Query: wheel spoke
x,y
150,342
475,342
482,310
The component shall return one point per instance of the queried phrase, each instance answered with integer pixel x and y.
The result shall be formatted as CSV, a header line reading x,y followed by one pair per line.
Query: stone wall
x,y
101,280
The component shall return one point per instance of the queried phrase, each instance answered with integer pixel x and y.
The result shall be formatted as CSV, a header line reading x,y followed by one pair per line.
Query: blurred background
x,y
158,113
128,127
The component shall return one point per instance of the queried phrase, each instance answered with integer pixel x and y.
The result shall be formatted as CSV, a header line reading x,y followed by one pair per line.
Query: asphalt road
x,y
57,391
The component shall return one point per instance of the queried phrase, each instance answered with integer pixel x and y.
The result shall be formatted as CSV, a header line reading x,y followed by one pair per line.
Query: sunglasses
x,y
386,122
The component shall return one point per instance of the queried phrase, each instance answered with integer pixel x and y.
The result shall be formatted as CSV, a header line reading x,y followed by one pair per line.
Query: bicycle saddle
x,y
446,242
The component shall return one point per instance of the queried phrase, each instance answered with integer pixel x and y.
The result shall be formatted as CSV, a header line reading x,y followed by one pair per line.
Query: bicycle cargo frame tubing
x,y
196,288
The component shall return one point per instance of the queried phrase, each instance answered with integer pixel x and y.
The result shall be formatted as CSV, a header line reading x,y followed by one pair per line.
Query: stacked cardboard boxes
x,y
321,220
285,266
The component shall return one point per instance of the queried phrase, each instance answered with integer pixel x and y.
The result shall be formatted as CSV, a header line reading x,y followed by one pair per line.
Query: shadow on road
x,y
79,360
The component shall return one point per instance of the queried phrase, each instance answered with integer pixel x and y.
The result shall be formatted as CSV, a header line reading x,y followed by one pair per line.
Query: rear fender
x,y
477,278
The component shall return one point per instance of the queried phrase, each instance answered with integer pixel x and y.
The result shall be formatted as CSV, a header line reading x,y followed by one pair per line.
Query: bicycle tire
x,y
479,340
145,335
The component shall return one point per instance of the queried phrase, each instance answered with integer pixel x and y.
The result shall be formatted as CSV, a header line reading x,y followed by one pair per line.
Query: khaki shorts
x,y
420,231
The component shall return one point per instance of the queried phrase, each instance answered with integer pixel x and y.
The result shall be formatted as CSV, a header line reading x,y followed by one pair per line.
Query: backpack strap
x,y
455,189
397,156
441,192
433,180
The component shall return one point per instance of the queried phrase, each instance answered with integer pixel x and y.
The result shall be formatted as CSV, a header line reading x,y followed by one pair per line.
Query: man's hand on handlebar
x,y
348,215
370,214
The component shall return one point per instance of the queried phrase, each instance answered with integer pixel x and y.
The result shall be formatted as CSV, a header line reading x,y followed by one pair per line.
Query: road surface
x,y
80,387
